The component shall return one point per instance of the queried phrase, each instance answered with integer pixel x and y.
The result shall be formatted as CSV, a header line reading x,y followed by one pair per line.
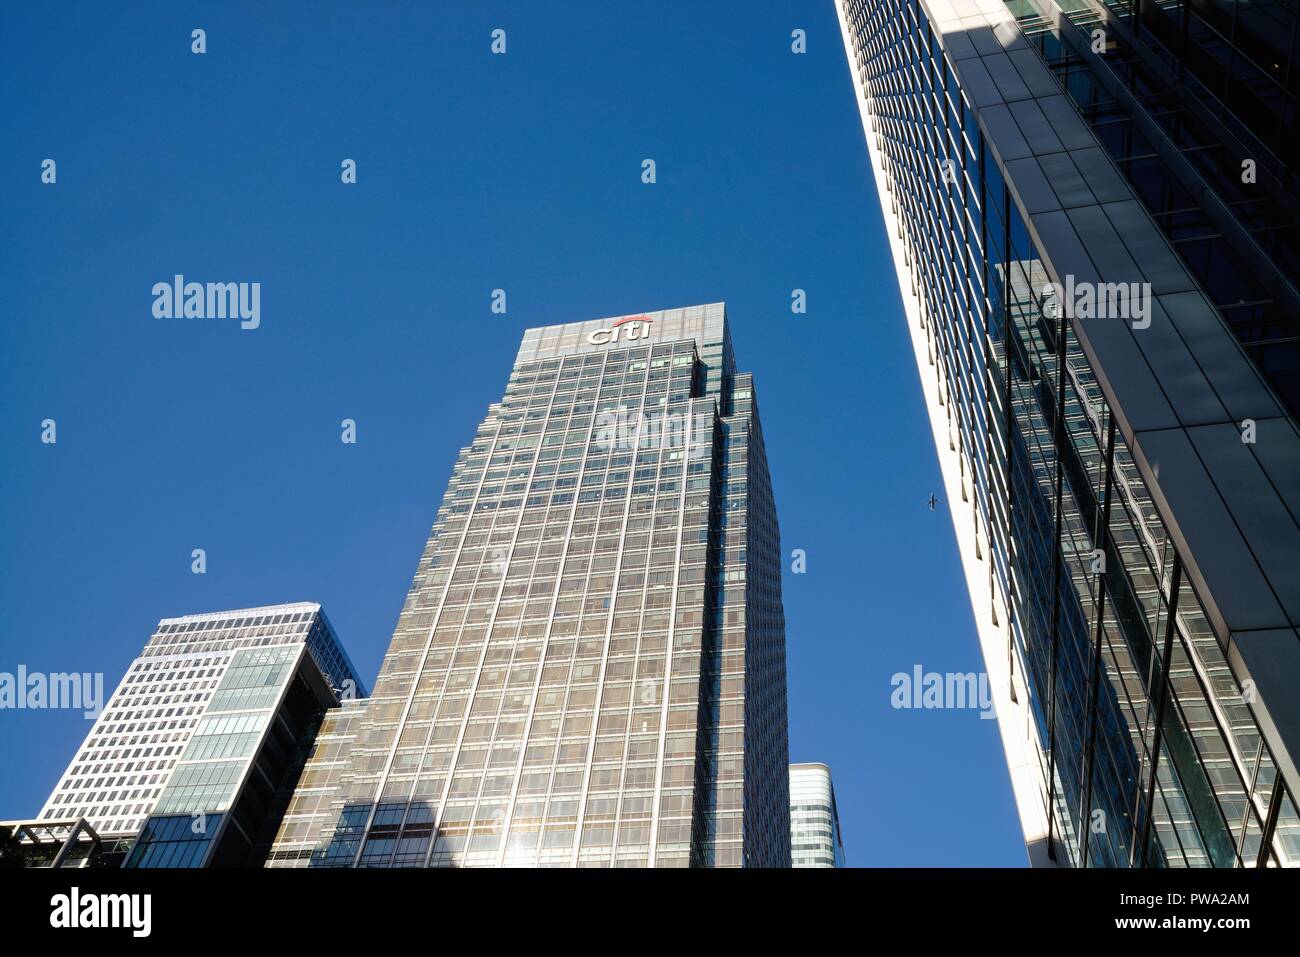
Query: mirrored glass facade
x,y
589,669
1124,485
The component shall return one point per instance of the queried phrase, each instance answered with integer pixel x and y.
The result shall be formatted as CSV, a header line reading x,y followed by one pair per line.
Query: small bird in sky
x,y
933,501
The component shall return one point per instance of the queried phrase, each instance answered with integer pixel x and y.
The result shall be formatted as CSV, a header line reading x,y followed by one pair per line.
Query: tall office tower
x,y
1091,210
815,839
589,669
199,747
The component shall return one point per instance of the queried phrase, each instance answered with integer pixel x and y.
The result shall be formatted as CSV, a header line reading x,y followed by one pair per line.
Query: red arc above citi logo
x,y
629,329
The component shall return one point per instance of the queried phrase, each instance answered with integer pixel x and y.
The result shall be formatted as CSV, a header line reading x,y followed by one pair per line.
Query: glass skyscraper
x,y
198,750
1091,208
589,669
815,839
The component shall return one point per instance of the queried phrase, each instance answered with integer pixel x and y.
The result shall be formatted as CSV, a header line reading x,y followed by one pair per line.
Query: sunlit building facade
x,y
318,797
1100,294
589,669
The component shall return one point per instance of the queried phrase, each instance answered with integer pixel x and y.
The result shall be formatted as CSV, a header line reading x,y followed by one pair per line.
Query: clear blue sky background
x,y
475,172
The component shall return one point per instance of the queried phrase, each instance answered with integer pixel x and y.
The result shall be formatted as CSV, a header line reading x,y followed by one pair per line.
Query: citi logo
x,y
75,909
629,328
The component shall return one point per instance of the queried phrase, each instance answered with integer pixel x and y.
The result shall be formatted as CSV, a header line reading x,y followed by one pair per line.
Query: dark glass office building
x,y
590,666
1092,212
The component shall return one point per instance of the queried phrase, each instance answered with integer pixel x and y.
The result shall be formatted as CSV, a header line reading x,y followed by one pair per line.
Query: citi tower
x,y
589,669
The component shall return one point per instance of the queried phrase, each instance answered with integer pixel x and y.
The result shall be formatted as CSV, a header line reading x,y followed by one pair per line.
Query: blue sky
x,y
475,172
